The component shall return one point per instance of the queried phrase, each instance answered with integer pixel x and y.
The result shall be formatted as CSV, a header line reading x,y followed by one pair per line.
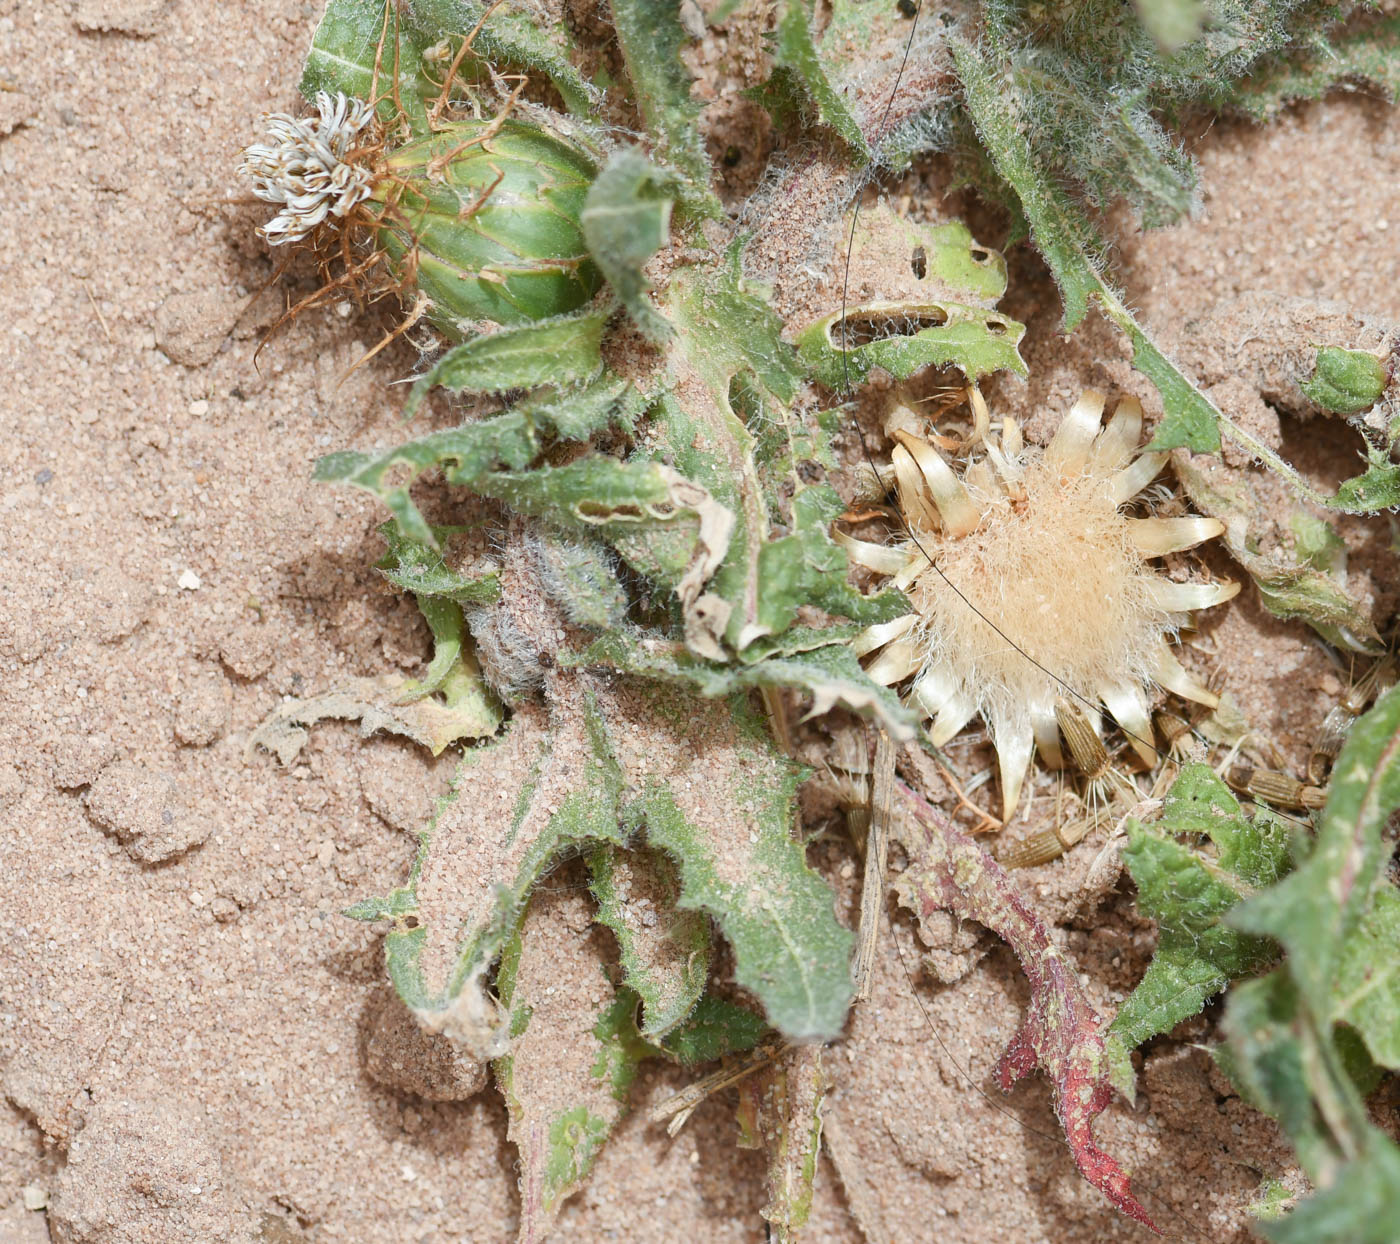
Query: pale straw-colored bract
x,y
304,167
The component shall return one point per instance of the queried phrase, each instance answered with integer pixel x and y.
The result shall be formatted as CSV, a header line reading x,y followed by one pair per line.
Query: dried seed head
x,y
307,166
1041,589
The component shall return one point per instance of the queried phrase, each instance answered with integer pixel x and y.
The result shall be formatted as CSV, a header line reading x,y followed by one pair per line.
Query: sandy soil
x,y
193,1044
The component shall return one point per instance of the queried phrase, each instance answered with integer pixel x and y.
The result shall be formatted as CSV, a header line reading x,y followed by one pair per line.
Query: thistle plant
x,y
653,597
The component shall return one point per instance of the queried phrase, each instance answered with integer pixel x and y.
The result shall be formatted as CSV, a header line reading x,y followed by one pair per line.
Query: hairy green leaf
x,y
440,594
1378,488
423,570
829,672
738,859
468,453
732,374
1346,381
580,575
1293,1049
702,779
1365,52
411,46
664,525
569,1066
1368,981
1067,241
626,220
798,71
558,352
358,40
1316,910
480,858
650,35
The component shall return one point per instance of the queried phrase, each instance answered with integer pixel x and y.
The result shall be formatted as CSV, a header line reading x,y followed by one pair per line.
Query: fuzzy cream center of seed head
x,y
1058,575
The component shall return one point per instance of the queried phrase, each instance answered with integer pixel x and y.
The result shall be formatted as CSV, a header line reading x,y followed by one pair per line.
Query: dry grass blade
x,y
677,1108
877,848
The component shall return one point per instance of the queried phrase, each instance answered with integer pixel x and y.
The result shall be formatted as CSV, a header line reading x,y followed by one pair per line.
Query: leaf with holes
x,y
467,454
902,338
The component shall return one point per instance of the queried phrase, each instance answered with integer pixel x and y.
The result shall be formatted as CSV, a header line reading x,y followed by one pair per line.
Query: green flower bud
x,y
487,224
481,216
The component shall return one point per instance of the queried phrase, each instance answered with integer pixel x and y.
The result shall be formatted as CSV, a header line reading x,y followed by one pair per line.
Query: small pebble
x,y
189,581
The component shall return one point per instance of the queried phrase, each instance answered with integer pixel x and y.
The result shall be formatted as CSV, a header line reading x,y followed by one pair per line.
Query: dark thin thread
x,y
889,497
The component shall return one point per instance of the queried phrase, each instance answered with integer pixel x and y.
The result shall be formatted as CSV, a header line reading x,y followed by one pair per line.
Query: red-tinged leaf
x,y
950,872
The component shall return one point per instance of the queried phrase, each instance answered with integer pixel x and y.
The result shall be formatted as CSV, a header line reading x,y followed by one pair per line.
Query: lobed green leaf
x,y
468,453
1189,895
910,336
559,352
740,863
566,1075
665,951
650,35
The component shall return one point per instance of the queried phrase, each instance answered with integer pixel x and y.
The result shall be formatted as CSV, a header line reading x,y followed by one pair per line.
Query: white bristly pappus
x,y
305,166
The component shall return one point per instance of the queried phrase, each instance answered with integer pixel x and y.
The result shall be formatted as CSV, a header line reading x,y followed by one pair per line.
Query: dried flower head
x,y
1040,583
308,166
